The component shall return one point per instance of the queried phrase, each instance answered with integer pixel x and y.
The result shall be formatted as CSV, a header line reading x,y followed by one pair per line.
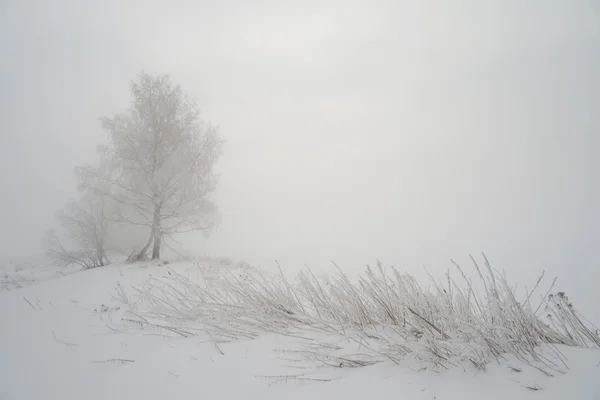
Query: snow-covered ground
x,y
62,337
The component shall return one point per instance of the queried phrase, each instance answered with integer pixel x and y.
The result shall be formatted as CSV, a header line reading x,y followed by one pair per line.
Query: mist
x,y
409,132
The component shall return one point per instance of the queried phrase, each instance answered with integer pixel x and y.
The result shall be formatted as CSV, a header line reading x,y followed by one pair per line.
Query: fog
x,y
413,132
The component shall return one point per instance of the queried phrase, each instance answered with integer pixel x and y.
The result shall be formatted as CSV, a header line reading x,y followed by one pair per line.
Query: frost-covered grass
x,y
389,314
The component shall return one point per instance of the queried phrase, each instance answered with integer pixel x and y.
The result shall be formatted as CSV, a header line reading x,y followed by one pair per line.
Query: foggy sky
x,y
413,132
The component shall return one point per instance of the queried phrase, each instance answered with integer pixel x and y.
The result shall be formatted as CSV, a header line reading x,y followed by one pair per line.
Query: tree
x,y
85,229
158,163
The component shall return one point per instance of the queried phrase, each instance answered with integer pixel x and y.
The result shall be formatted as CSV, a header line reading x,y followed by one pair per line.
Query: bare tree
x,y
158,163
84,234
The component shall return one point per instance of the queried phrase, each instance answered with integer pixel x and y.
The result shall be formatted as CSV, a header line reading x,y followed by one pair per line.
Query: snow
x,y
61,338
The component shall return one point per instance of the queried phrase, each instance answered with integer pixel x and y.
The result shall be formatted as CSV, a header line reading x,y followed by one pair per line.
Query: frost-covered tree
x,y
83,235
158,164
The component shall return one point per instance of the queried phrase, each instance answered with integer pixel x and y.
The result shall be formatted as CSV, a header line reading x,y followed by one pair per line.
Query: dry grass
x,y
386,313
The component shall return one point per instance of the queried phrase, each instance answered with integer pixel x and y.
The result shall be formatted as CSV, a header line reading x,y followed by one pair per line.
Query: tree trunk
x,y
156,248
142,252
156,233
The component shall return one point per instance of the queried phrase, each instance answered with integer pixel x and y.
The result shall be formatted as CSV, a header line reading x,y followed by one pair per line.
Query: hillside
x,y
68,337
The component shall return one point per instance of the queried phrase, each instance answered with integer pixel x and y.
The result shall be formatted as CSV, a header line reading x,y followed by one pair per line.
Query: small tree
x,y
85,231
158,163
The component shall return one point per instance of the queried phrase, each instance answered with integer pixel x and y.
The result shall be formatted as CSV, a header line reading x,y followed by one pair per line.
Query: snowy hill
x,y
75,337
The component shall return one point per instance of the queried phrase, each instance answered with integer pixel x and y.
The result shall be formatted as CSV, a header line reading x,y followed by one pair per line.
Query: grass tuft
x,y
386,313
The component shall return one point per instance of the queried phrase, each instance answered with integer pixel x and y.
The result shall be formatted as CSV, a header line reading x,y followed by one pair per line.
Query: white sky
x,y
410,131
